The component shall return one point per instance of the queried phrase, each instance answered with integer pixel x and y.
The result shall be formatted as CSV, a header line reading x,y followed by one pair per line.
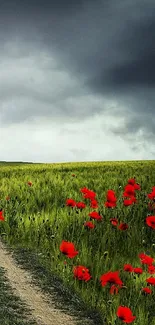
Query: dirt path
x,y
41,307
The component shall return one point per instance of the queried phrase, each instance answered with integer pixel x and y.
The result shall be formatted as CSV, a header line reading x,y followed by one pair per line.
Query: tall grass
x,y
37,217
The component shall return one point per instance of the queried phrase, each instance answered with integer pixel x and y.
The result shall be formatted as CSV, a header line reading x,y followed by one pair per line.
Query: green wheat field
x,y
88,229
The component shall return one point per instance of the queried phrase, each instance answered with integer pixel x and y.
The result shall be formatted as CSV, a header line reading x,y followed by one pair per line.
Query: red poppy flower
x,y
151,195
147,290
151,269
130,201
111,277
123,226
145,259
150,220
70,202
89,224
110,204
94,204
131,181
128,268
84,190
151,281
80,205
111,199
114,221
125,314
95,215
137,187
1,216
138,270
82,273
89,195
129,191
67,248
111,196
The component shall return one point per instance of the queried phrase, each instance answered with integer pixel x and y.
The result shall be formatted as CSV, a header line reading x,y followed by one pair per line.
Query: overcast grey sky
x,y
77,80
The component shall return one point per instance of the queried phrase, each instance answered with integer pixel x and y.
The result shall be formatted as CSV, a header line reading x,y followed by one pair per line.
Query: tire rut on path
x,y
41,306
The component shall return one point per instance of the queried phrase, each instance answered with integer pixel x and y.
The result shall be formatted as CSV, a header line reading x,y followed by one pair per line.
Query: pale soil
x,y
41,307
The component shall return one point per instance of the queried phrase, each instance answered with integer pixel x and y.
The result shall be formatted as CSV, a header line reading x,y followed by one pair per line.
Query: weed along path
x,y
41,308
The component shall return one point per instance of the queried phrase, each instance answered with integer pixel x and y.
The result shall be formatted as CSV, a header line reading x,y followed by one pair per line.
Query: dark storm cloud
x,y
139,69
111,41
109,45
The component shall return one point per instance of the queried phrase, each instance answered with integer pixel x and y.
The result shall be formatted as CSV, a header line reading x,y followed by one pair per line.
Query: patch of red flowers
x,y
112,278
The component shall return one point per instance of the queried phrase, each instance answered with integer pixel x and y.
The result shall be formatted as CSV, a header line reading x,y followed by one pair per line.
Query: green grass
x,y
37,221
